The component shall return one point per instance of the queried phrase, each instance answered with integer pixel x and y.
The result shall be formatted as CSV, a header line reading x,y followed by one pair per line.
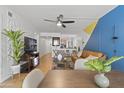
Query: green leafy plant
x,y
102,66
17,44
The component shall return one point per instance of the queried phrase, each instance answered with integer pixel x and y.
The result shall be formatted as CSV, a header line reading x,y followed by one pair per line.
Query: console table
x,y
30,58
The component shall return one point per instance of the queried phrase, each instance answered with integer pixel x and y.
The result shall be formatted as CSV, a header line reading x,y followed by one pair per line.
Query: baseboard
x,y
5,78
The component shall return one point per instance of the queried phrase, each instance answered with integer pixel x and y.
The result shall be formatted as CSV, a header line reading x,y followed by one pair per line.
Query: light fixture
x,y
59,23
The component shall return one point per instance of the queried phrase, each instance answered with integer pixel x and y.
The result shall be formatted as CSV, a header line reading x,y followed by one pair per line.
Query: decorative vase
x,y
101,80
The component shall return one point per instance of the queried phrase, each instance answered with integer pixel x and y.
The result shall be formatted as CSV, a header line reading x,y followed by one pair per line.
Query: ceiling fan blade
x,y
63,26
68,21
49,20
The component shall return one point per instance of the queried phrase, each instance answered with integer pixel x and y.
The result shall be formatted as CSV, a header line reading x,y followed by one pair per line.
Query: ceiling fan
x,y
59,22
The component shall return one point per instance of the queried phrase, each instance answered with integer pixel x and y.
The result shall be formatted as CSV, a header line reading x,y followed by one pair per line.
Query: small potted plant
x,y
102,67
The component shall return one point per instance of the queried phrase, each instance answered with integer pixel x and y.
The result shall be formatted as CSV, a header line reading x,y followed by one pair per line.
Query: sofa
x,y
86,53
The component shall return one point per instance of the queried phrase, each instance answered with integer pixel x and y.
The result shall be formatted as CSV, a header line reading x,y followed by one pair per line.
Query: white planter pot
x,y
15,69
101,80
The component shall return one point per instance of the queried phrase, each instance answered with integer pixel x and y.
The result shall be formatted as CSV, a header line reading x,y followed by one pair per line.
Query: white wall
x,y
18,23
42,46
4,58
0,42
82,37
45,45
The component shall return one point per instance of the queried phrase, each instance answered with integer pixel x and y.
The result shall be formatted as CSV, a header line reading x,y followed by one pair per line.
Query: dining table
x,y
79,79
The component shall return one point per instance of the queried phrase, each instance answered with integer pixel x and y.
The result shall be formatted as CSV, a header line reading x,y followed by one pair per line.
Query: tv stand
x,y
32,59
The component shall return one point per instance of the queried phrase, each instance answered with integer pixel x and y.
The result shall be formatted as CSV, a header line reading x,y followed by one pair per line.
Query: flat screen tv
x,y
30,44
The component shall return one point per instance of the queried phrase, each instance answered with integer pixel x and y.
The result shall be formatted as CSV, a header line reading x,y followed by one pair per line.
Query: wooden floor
x,y
45,65
16,82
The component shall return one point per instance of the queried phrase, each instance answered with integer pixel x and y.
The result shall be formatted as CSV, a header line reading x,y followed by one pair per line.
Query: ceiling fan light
x,y
59,23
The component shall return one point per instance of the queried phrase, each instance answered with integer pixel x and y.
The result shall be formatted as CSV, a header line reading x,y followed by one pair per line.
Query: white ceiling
x,y
35,14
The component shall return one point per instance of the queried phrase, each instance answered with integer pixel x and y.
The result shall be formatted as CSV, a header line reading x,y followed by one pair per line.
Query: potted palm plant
x,y
102,67
17,44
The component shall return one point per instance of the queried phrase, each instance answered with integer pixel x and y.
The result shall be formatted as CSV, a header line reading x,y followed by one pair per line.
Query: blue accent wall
x,y
109,26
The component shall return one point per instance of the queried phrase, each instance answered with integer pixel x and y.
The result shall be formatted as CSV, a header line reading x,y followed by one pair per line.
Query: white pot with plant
x,y
102,67
17,45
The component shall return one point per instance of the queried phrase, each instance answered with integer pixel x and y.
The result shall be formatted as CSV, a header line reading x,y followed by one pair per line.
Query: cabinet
x,y
32,61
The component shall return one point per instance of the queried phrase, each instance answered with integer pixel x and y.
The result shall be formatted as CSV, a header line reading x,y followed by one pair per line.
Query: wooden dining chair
x,y
33,79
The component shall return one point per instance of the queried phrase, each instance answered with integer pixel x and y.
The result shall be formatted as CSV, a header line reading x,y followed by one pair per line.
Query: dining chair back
x,y
33,79
59,57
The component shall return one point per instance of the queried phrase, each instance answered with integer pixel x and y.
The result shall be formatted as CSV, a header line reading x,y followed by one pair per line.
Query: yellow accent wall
x,y
89,29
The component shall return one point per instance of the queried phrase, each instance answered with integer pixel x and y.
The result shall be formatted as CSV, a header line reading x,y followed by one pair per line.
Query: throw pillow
x,y
90,57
